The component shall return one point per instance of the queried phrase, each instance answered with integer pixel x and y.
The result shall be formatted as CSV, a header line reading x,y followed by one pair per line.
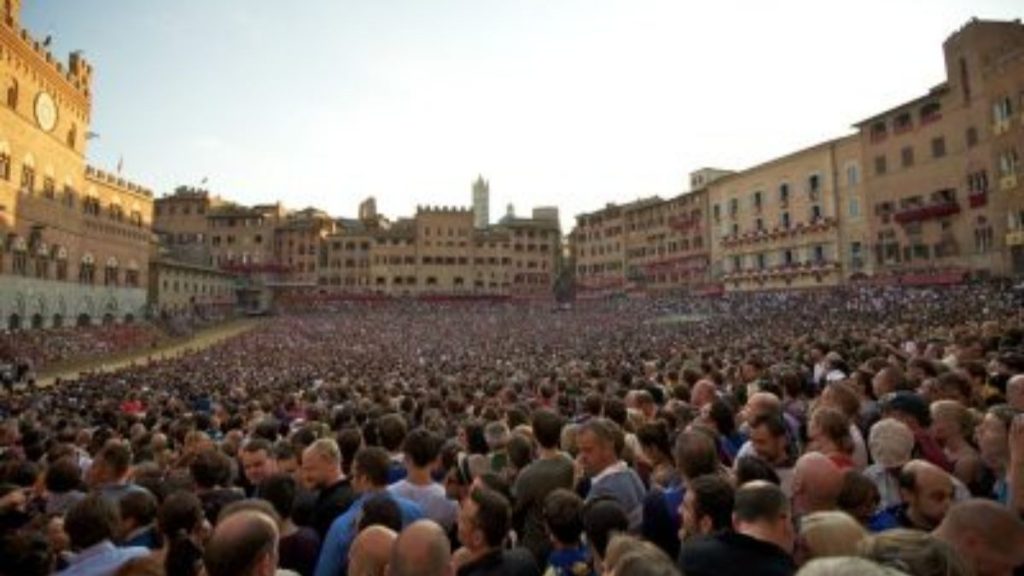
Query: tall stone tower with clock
x,y
74,239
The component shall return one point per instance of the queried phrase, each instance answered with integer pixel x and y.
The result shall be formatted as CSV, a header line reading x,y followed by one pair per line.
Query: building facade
x,y
929,190
776,225
179,288
74,240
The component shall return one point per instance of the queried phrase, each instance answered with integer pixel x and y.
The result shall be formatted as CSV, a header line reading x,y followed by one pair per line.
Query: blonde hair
x,y
831,533
913,552
957,412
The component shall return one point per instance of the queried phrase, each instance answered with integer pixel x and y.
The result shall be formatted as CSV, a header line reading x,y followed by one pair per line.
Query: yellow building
x,y
75,240
776,225
928,162
179,288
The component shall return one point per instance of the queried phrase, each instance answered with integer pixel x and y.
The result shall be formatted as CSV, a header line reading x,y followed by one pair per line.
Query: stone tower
x,y
481,203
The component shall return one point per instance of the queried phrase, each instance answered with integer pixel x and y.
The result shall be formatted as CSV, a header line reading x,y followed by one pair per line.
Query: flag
x,y
203,181
120,164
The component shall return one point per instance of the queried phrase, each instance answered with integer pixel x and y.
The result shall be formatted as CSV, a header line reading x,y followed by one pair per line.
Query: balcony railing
x,y
779,232
1001,126
930,212
977,199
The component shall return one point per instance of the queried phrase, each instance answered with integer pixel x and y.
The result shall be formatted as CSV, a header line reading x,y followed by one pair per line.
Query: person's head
x,y
817,482
598,441
768,437
654,441
1015,392
183,526
422,549
891,443
858,496
547,428
244,542
280,489
760,404
907,407
371,551
321,464
751,468
913,552
828,431
370,469
993,436
421,448
846,566
497,435
26,553
887,380
762,511
704,392
602,518
706,507
350,440
137,510
986,535
92,520
63,476
380,509
563,517
951,421
696,453
824,534
484,520
211,468
286,457
112,465
257,460
392,429
631,556
927,490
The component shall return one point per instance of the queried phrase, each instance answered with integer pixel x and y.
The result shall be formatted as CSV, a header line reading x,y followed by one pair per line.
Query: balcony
x,y
977,199
930,117
1008,182
1015,238
1001,126
931,212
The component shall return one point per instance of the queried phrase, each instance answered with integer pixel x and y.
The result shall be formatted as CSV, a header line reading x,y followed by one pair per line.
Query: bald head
x,y
371,551
762,403
422,549
817,482
927,490
988,536
243,543
1015,392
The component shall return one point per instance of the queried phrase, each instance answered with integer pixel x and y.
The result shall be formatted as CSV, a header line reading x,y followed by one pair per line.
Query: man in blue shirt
x,y
91,525
369,477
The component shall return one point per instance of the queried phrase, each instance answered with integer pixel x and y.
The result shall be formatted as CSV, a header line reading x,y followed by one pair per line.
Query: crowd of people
x,y
850,431
42,349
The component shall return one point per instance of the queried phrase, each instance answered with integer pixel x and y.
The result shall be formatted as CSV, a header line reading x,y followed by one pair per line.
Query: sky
x,y
573,103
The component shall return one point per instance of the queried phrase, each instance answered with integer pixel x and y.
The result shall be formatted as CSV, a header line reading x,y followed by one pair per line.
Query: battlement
x,y
187,193
442,210
101,177
76,75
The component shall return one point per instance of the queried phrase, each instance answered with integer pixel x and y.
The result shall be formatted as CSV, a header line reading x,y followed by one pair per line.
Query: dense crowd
x,y
850,431
42,349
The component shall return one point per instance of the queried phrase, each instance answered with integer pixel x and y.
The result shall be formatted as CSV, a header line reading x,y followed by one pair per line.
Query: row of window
x,y
90,204
788,257
21,263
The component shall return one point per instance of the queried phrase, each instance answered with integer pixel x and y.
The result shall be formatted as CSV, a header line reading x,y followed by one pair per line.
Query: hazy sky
x,y
574,103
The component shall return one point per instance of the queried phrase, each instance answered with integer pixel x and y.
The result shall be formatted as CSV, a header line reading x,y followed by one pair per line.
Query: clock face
x,y
46,111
